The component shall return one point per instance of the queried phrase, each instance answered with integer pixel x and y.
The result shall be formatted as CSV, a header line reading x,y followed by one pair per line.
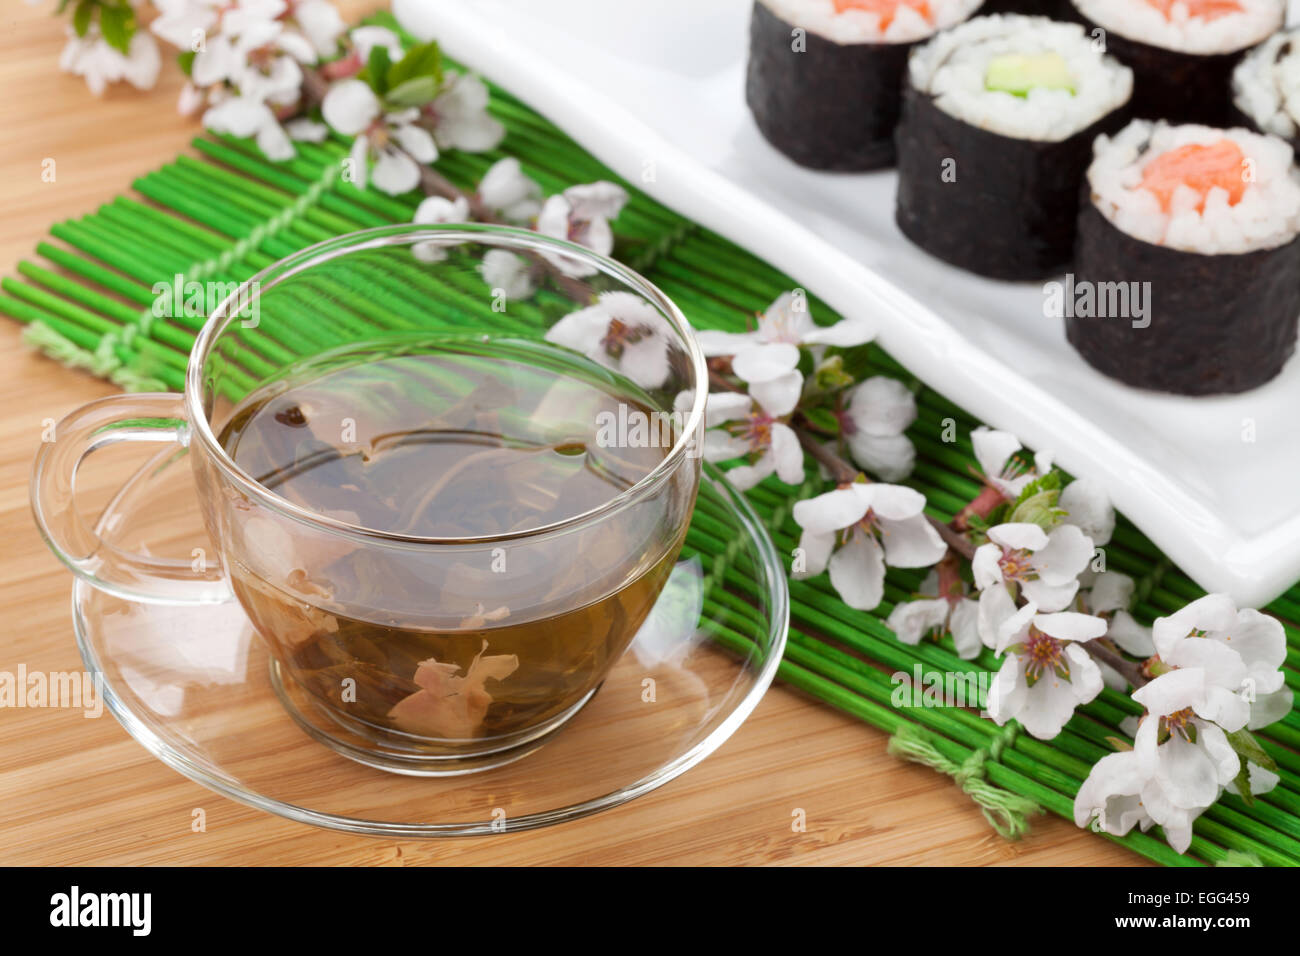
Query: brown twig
x,y
840,470
982,505
720,382
954,539
1131,671
314,88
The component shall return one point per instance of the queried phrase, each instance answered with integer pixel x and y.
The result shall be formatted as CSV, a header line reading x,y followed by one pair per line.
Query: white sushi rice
x,y
1266,84
1144,22
952,69
862,26
1267,215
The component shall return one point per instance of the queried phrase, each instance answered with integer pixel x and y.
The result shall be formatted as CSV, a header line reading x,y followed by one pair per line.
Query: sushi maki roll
x,y
1266,87
824,75
1196,228
1182,51
998,118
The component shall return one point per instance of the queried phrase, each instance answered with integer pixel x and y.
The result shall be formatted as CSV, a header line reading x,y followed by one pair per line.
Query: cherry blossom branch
x,y
432,183
981,505
314,88
843,473
1131,671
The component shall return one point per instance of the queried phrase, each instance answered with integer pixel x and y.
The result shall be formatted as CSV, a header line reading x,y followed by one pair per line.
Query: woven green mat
x,y
84,302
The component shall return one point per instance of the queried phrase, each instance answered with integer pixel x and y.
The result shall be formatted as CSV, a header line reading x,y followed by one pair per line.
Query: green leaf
x,y
823,419
414,92
830,375
118,25
1048,482
424,60
186,60
1040,509
81,16
1248,748
377,68
1119,743
1243,783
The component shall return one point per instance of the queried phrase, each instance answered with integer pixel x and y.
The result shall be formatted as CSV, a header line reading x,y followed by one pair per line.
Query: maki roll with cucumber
x,y
1196,229
1182,52
824,76
999,115
1266,87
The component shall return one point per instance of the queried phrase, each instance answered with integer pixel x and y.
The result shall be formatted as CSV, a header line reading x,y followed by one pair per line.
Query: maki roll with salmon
x,y
1182,52
824,76
999,115
1266,87
1195,228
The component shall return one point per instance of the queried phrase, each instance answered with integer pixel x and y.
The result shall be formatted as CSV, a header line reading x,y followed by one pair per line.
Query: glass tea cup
x,y
446,470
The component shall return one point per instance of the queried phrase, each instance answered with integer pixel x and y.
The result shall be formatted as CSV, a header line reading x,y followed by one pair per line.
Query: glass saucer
x,y
195,685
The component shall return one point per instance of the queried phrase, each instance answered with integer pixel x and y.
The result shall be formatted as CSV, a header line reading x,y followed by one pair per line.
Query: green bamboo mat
x,y
83,299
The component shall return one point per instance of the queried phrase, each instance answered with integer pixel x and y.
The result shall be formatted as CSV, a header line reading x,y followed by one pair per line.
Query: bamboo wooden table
x,y
77,791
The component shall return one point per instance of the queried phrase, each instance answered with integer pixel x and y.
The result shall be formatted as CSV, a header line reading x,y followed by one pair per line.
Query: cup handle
x,y
140,417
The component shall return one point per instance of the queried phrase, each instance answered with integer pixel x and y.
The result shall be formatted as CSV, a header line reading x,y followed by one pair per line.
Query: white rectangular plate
x,y
658,84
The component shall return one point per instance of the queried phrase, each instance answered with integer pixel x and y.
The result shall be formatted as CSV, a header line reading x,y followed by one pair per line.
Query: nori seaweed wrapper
x,y
1218,323
1170,85
1011,211
1033,8
833,106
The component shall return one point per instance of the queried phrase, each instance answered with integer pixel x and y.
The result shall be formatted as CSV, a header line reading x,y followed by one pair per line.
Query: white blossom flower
x,y
623,332
99,64
259,57
321,24
873,525
994,450
1112,797
1241,651
879,410
509,274
1185,757
509,193
955,614
185,23
772,374
1108,594
1045,565
1182,760
432,211
240,15
788,321
671,630
193,98
460,115
1086,505
247,116
1046,674
390,140
741,425
581,215
365,39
